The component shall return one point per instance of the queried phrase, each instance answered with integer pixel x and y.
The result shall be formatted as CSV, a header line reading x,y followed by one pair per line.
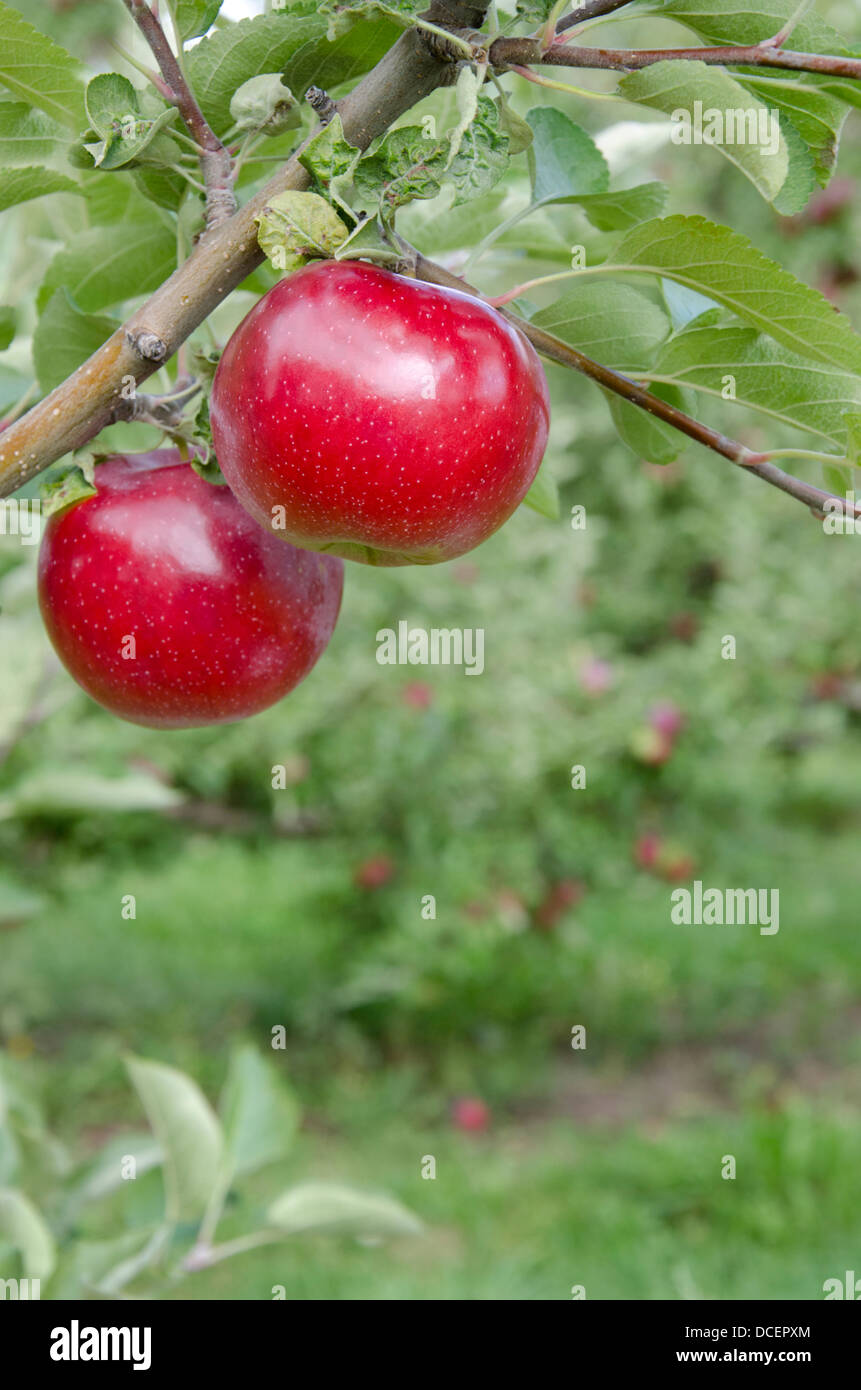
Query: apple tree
x,y
417,235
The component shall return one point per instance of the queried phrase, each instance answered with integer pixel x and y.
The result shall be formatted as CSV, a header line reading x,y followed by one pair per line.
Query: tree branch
x,y
594,9
215,162
523,52
87,401
558,351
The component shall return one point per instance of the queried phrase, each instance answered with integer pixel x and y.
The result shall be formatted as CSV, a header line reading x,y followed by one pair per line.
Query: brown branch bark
x,y
594,9
215,162
529,52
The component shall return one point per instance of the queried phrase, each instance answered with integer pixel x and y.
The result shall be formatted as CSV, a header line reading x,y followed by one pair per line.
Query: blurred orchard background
x,y
301,908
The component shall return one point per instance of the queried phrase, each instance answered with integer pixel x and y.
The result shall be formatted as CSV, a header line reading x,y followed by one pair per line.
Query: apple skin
x,y
394,422
226,618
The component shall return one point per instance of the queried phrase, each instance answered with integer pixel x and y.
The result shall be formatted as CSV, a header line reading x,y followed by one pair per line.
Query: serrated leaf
x,y
336,1210
330,159
814,113
194,17
616,324
563,160
110,100
481,157
27,135
64,338
334,58
39,71
259,1112
295,226
406,165
780,385
543,495
24,184
617,212
24,1228
188,1132
106,265
689,88
227,57
727,22
726,267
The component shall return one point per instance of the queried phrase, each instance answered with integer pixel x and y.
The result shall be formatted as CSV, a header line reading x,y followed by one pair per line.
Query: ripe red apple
x,y
171,607
379,418
470,1115
374,873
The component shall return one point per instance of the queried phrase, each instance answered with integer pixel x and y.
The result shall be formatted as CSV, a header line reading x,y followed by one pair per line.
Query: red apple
x,y
563,895
471,1115
666,718
171,607
374,873
378,418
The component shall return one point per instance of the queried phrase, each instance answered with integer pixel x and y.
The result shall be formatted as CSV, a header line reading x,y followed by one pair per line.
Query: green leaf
x,y
518,130
481,156
22,185
330,160
8,325
27,135
104,1174
543,496
38,71
814,113
616,324
563,160
852,421
113,107
295,226
727,22
227,57
646,435
74,792
187,1130
259,1112
781,386
327,1207
407,164
194,17
59,489
329,61
105,265
264,103
64,338
726,267
617,212
684,89
23,1227
111,100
